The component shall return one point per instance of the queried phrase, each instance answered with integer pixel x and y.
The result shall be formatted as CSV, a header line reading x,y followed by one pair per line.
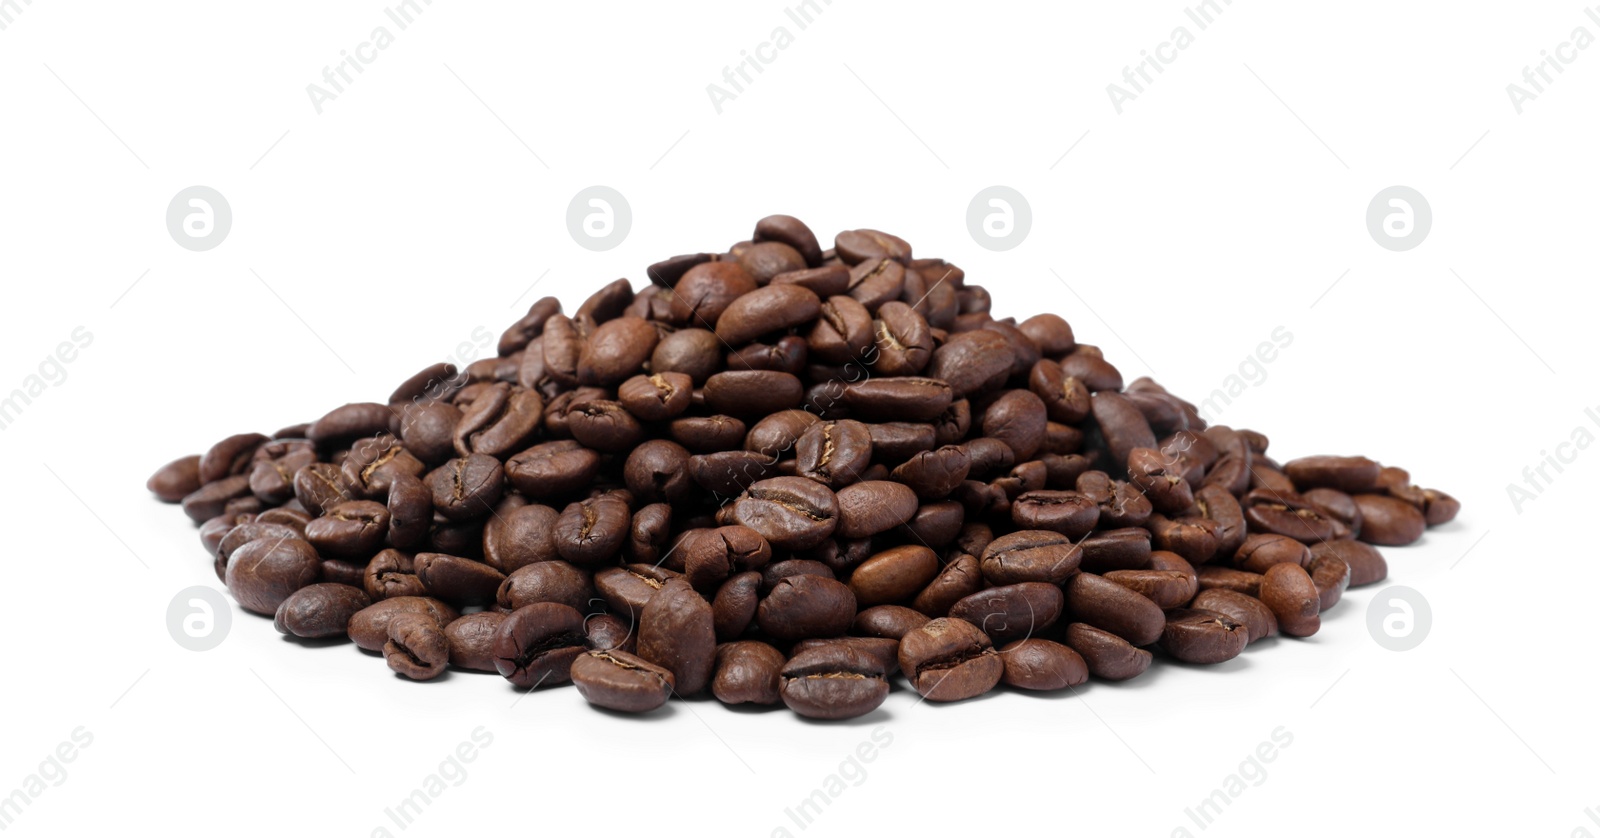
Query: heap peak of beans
x,y
784,474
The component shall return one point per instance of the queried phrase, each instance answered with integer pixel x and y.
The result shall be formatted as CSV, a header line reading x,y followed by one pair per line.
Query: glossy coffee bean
x,y
1105,604
263,573
471,639
1331,576
1288,590
617,680
800,607
417,647
1195,636
889,621
791,513
950,659
836,681
873,506
536,644
175,480
959,578
1107,655
1011,612
1389,521
677,632
1366,564
747,672
1042,665
552,581
1030,556
456,580
320,610
1252,613
1263,550
369,627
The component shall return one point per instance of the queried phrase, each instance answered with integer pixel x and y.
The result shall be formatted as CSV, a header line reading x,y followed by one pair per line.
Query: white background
x,y
373,238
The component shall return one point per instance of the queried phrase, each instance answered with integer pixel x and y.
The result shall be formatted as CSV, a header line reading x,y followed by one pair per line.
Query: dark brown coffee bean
x,y
1271,511
1121,424
1366,564
616,351
1336,505
607,632
456,580
352,529
667,272
1042,665
1388,521
1190,536
212,499
320,610
417,647
466,488
658,397
874,506
628,589
520,537
1347,474
528,327
617,680
834,453
1030,556
888,621
391,573
591,532
894,575
775,308
230,457
1010,612
949,660
790,231
263,573
348,423
752,392
1105,604
1262,550
1248,611
972,362
1241,581
369,627
1331,576
536,644
1068,513
1161,480
552,470
1168,589
904,344
175,480
894,442
799,607
1018,419
707,434
1119,549
959,578
552,581
705,292
676,632
471,639
603,425
1288,590
835,681
1107,655
791,513
1195,636
733,609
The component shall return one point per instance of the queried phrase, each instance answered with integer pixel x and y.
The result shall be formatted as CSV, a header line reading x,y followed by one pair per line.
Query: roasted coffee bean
x,y
972,362
1121,424
1066,399
959,578
591,532
657,397
834,453
1331,576
1030,556
1071,514
711,556
747,672
1261,551
263,573
889,621
471,640
729,473
346,424
1122,611
895,442
1038,664
320,610
791,513
676,632
211,499
230,457
950,659
1336,505
552,581
733,609
608,631
1119,549
352,529
787,229
1247,611
1166,588
655,472
417,647
616,351
1161,480
774,308
617,680
749,393
1190,536
1010,612
604,425
175,480
874,506
1347,474
552,470
467,487
857,246
1388,521
369,627
520,537
1366,564
1271,511
834,681
775,436
456,580
536,644
391,573
1195,636
649,533
1241,581
894,575
410,508
825,281
628,588
799,607
1288,590
693,352
1107,655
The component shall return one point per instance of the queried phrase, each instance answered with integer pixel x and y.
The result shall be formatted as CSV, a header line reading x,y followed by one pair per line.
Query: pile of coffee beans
x,y
784,474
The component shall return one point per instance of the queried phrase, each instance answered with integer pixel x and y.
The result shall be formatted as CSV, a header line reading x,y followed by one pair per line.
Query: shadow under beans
x,y
876,717
665,711
316,642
